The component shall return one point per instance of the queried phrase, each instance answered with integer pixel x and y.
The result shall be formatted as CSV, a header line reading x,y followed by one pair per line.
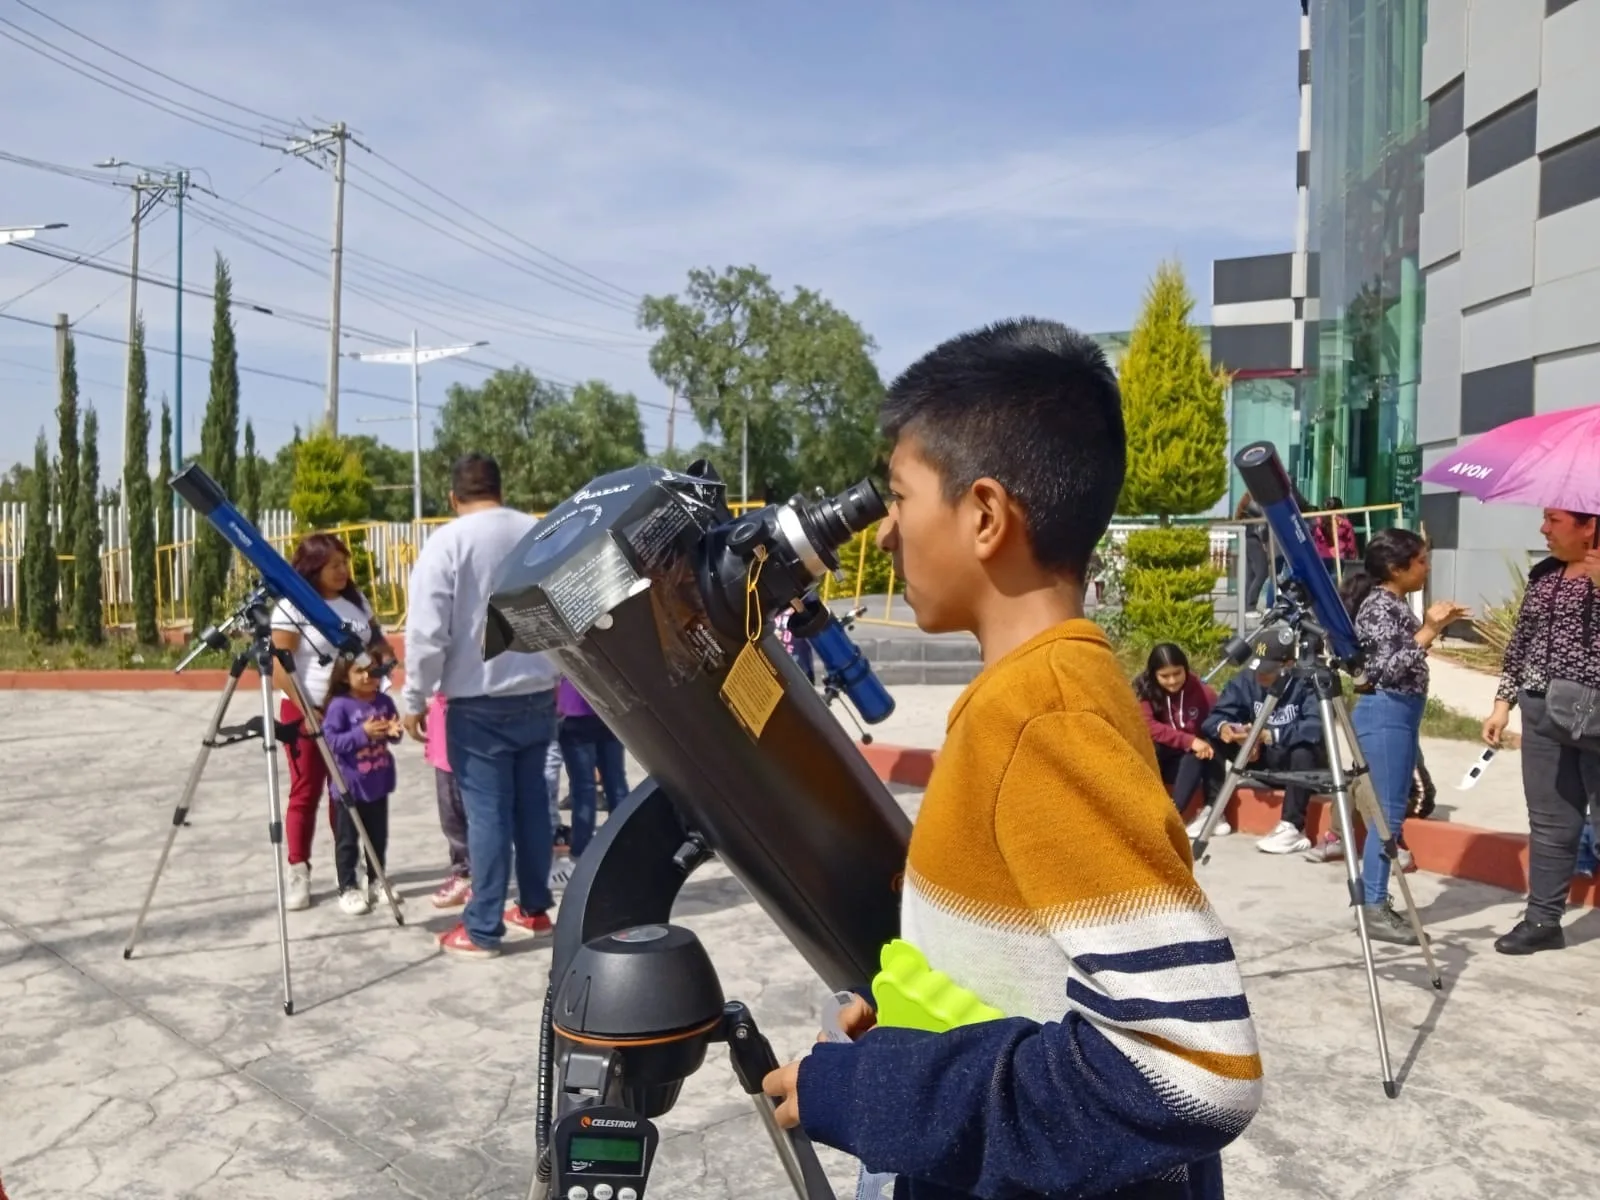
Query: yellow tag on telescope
x,y
752,690
910,994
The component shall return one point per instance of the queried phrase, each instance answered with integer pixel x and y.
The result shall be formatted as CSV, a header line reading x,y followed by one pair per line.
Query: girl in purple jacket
x,y
359,724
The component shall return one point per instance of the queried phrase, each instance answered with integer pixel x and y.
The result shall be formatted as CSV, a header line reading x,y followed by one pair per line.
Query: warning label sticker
x,y
752,690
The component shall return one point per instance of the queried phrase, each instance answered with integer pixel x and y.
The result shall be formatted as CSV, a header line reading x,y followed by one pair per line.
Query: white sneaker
x,y
1406,863
561,872
1221,829
1284,839
298,893
353,903
375,895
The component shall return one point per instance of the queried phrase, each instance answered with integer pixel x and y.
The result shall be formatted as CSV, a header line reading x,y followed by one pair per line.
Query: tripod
x,y
254,617
1347,790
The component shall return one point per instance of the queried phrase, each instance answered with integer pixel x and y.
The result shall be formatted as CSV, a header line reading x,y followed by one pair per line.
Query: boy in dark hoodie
x,y
1292,740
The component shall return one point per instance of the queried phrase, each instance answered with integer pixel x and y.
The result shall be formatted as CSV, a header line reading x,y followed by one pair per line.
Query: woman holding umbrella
x,y
1552,664
1553,647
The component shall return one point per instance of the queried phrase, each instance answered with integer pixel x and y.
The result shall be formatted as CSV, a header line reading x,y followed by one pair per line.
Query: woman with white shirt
x,y
323,561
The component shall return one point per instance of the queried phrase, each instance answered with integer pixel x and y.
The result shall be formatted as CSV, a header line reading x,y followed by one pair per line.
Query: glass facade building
x,y
1369,135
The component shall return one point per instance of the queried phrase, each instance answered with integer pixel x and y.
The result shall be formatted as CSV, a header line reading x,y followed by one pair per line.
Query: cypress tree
x,y
1173,407
163,491
250,477
39,562
137,497
88,616
66,489
219,450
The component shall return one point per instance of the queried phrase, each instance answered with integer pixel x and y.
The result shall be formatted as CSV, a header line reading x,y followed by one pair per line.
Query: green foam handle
x,y
911,995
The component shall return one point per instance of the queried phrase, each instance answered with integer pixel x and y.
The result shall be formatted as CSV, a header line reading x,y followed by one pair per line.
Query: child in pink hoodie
x,y
1175,702
456,890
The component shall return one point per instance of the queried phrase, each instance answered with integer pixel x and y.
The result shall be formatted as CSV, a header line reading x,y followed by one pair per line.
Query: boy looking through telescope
x,y
1048,873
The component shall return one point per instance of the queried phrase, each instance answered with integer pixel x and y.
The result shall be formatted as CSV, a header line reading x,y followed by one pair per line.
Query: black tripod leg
x,y
269,744
753,1060
1235,771
180,814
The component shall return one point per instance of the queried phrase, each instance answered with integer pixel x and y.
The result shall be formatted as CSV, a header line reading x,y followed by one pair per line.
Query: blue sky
x,y
927,166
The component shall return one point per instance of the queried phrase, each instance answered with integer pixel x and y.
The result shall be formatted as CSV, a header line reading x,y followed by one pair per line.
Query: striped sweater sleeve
x,y
1153,1063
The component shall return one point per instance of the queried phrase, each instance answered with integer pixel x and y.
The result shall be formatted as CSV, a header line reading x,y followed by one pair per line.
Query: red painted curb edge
x,y
1489,856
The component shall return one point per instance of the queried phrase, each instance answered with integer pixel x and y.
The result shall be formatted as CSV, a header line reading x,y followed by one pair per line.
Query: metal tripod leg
x,y
1342,813
312,728
1372,811
269,745
1234,777
180,814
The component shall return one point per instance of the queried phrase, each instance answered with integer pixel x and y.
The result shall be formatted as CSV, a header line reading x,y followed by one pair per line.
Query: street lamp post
x,y
414,357
21,233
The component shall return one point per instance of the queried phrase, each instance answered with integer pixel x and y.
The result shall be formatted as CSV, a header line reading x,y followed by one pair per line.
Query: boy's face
x,y
930,541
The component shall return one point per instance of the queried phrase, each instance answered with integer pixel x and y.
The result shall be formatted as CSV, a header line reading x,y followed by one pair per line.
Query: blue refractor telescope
x,y
1269,485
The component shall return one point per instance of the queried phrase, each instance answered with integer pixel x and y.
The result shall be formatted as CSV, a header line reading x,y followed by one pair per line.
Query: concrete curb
x,y
1490,856
210,680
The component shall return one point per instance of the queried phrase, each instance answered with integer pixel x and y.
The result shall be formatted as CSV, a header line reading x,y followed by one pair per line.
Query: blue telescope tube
x,y
1263,473
842,661
202,494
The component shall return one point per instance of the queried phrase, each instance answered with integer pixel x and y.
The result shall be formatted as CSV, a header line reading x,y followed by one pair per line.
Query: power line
x,y
268,117
133,94
198,358
394,166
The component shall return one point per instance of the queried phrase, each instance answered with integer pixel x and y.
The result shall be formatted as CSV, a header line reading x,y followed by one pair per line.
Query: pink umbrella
x,y
1548,461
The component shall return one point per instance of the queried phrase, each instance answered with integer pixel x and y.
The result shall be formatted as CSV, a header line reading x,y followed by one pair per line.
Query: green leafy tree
x,y
16,485
136,484
40,569
1173,407
277,474
793,375
219,451
330,484
163,490
88,615
548,444
388,470
66,489
250,476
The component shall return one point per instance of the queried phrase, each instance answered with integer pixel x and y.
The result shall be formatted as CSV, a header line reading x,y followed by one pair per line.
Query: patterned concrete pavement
x,y
407,1074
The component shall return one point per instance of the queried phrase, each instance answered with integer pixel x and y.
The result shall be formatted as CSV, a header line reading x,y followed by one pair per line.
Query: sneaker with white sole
x,y
1328,849
1221,829
1284,839
353,902
298,894
375,895
452,893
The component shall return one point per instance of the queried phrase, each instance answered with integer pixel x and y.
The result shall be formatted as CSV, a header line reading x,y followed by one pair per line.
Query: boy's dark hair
x,y
475,477
1033,405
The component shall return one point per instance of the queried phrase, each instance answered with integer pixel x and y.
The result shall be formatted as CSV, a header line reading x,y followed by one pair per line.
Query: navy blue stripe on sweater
x,y
1218,1008
1157,958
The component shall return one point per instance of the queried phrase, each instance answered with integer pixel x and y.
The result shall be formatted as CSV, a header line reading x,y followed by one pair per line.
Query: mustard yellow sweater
x,y
1050,874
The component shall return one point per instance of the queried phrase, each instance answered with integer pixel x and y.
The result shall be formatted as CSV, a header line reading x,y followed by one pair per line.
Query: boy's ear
x,y
998,518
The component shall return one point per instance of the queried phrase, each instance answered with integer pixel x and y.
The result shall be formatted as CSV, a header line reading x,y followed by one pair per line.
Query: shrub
x,y
875,572
1169,583
1499,621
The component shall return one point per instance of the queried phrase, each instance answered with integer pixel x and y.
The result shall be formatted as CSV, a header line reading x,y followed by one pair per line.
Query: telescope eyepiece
x,y
831,521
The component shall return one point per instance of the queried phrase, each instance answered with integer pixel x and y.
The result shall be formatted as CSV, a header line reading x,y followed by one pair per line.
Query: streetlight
x,y
414,357
21,233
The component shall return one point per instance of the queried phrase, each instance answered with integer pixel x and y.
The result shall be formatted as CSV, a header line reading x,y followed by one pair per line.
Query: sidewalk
x,y
407,1075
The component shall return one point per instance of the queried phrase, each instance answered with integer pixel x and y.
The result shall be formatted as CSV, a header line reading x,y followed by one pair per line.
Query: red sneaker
x,y
538,924
457,942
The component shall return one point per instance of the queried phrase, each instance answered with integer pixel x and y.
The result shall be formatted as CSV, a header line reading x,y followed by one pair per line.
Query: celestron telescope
x,y
1310,613
658,603
253,622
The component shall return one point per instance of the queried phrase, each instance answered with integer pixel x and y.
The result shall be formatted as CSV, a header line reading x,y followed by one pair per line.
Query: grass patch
x,y
1439,720
119,652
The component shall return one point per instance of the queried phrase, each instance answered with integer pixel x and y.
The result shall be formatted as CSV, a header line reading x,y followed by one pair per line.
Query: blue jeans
x,y
586,743
1387,725
497,747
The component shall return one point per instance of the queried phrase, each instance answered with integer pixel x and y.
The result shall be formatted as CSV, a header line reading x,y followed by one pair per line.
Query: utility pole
x,y
148,190
335,141
415,357
177,380
672,418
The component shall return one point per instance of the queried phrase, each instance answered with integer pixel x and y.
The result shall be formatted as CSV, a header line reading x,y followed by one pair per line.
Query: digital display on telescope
x,y
619,1156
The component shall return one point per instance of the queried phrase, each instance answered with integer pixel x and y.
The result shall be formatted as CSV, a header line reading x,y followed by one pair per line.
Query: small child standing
x,y
359,725
456,890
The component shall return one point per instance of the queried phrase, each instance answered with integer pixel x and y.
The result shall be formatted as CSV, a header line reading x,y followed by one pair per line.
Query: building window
x,y
1500,142
1495,395
1445,112
1570,176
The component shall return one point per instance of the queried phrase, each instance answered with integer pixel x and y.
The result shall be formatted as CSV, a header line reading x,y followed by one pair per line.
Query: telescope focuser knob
x,y
744,537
